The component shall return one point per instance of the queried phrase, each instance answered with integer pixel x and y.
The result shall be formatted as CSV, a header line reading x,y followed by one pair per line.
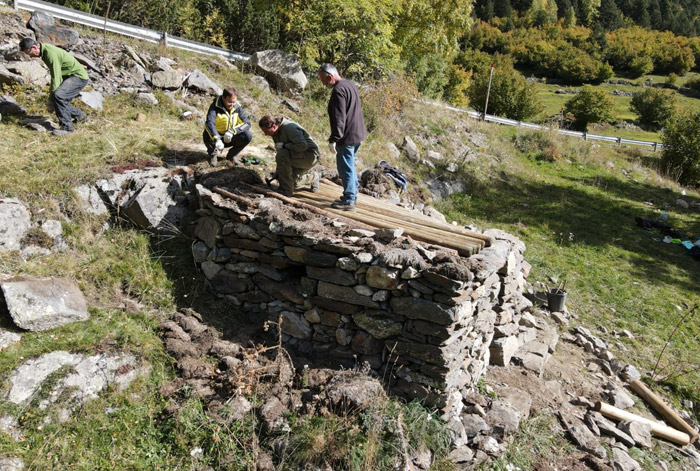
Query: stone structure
x,y
421,316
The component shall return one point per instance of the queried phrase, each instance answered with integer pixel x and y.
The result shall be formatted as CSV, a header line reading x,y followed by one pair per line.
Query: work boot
x,y
343,206
314,185
214,159
62,131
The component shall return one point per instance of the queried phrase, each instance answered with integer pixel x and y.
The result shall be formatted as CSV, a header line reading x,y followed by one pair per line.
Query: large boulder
x,y
282,70
10,78
33,71
93,99
15,221
38,304
199,81
152,199
10,107
46,30
166,79
442,188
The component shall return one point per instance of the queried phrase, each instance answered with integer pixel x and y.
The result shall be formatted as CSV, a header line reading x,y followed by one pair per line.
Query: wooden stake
x,y
658,429
665,411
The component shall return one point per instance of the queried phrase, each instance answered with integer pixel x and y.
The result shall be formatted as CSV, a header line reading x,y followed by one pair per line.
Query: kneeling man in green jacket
x,y
296,155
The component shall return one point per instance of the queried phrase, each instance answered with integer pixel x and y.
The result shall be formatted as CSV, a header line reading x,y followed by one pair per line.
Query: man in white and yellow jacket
x,y
226,126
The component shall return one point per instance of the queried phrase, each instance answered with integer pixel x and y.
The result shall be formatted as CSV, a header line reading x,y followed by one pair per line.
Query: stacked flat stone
x,y
421,316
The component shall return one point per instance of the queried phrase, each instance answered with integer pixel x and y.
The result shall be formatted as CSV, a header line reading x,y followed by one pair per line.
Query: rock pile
x,y
115,68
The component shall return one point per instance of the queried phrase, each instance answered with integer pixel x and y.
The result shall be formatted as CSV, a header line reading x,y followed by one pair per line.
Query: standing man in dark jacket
x,y
347,131
226,126
68,77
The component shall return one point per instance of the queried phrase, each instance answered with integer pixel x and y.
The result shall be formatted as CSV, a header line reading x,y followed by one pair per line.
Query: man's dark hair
x,y
26,44
268,121
229,92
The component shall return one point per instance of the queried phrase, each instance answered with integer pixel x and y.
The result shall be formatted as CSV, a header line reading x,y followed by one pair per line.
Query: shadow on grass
x,y
600,212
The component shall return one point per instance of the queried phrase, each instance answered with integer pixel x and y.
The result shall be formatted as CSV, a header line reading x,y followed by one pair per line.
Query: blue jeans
x,y
345,162
62,96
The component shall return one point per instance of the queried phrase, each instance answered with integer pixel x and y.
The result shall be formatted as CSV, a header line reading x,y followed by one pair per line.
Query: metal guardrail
x,y
620,141
125,29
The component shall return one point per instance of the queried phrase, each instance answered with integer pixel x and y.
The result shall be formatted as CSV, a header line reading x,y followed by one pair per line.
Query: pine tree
x,y
609,16
655,18
503,9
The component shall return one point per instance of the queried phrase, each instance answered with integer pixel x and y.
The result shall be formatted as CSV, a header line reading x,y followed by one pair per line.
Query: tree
x,y
359,41
610,16
681,154
542,12
589,11
427,34
511,96
589,106
654,106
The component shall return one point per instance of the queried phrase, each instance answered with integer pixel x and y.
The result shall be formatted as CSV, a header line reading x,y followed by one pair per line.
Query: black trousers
x,y
237,144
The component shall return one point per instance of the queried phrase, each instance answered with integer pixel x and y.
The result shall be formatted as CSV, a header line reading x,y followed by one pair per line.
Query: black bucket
x,y
555,300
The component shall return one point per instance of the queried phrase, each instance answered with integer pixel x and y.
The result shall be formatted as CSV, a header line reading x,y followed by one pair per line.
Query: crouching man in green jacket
x,y
68,77
296,154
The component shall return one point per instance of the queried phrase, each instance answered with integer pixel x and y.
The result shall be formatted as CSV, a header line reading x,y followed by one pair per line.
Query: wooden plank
x,y
332,191
464,246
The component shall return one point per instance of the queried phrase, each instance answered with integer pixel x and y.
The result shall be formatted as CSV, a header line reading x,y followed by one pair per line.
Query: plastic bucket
x,y
556,299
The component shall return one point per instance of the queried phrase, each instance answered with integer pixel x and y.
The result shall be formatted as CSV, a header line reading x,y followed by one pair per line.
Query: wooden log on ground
x,y
658,429
665,411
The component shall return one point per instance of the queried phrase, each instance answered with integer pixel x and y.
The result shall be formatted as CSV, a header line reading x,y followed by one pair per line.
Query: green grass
x,y
577,217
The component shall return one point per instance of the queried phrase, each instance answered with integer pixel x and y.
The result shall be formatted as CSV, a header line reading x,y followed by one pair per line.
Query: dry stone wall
x,y
421,316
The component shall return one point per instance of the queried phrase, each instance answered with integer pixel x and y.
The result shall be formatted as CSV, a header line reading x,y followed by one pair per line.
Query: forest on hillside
x,y
445,47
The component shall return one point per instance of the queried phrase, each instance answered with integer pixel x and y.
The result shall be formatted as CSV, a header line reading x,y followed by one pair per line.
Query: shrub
x,y
384,100
671,80
511,96
653,106
693,83
590,106
540,145
681,154
457,89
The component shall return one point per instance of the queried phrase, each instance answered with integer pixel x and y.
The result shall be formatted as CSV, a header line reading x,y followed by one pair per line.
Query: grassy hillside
x,y
572,203
554,102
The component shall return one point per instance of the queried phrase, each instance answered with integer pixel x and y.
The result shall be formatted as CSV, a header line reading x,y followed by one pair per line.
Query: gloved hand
x,y
331,147
219,145
279,145
228,135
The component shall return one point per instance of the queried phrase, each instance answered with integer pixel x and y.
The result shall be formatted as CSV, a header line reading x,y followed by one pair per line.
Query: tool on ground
x,y
270,179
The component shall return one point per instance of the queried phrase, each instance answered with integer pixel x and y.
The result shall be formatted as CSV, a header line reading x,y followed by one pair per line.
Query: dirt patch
x,y
565,377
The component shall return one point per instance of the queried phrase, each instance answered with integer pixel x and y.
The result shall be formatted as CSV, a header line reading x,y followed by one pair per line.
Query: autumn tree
x,y
589,106
511,96
681,154
654,106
